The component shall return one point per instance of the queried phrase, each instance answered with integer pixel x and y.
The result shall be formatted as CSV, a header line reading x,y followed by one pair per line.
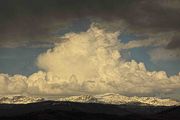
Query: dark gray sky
x,y
26,20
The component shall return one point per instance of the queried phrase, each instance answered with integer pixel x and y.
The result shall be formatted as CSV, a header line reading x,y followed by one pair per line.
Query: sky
x,y
32,30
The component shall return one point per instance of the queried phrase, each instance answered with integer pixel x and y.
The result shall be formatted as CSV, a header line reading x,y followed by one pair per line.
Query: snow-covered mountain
x,y
109,98
81,98
20,99
117,99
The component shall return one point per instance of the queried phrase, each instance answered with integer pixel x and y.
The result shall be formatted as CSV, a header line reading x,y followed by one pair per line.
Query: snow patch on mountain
x,y
81,98
20,99
111,98
108,98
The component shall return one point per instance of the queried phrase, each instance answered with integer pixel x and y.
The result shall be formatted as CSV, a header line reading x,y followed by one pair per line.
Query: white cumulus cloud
x,y
89,63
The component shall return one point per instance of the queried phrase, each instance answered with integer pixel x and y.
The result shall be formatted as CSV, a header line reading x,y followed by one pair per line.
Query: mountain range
x,y
108,98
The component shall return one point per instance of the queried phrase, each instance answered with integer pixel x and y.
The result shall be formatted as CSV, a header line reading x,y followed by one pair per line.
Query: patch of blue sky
x,y
19,60
171,67
126,37
141,55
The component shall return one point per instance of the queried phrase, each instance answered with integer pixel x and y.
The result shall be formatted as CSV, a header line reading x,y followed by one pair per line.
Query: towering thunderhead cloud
x,y
90,63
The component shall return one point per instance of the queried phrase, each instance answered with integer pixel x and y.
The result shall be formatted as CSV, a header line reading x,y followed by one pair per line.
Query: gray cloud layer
x,y
27,20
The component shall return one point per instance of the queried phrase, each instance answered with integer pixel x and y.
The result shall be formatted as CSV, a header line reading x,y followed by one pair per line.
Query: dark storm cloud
x,y
151,15
156,16
175,43
28,20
